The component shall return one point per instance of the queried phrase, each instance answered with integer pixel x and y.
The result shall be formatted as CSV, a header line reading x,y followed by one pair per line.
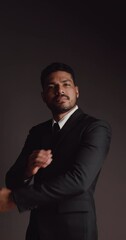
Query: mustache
x,y
60,96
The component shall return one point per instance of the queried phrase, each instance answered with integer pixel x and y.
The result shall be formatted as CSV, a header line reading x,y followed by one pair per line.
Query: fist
x,y
6,202
38,159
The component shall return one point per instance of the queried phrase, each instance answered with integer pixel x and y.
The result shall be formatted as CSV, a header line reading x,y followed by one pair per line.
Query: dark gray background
x,y
92,39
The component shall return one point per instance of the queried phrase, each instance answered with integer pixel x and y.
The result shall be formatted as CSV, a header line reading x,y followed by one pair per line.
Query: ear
x,y
77,91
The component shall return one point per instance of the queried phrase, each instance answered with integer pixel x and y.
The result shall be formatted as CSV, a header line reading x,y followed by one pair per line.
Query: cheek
x,y
73,96
49,96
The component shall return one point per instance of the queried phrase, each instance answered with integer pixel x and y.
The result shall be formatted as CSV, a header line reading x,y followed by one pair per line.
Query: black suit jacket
x,y
68,183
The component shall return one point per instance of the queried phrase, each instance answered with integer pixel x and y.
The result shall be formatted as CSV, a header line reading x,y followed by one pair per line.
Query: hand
x,y
38,159
6,202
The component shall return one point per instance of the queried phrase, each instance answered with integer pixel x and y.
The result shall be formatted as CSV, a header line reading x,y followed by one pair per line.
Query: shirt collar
x,y
66,117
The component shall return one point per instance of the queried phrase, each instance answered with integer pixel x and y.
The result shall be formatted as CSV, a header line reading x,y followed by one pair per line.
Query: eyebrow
x,y
63,81
67,80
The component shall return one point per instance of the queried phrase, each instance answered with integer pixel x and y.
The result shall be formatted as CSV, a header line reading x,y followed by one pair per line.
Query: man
x,y
57,171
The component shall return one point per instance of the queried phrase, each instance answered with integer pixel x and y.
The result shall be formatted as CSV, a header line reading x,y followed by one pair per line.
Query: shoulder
x,y
41,126
91,122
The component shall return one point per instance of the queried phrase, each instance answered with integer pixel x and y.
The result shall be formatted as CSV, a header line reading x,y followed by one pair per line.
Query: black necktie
x,y
56,129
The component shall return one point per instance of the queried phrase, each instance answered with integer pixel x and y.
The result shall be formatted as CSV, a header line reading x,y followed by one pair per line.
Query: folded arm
x,y
87,163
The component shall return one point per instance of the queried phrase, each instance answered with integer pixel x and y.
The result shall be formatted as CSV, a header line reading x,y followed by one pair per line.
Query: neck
x,y
58,116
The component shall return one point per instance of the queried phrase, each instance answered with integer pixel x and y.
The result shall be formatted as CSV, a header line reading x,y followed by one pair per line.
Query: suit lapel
x,y
68,126
46,135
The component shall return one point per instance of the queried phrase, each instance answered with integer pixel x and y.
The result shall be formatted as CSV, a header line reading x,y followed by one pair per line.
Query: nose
x,y
59,90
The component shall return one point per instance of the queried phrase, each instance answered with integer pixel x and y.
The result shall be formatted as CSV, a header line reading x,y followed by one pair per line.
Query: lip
x,y
61,99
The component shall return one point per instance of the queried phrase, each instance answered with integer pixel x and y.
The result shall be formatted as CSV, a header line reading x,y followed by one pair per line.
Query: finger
x,y
40,153
44,165
44,155
39,157
36,164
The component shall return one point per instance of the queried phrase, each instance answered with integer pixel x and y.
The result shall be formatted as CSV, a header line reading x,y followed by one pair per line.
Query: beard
x,y
59,107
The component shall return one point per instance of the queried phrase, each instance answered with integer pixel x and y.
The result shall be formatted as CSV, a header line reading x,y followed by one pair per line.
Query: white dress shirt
x,y
62,121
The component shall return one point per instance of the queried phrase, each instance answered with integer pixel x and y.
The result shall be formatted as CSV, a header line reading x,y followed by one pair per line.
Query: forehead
x,y
59,75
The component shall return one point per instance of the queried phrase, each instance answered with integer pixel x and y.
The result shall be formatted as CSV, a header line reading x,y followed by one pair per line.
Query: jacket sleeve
x,y
15,176
93,148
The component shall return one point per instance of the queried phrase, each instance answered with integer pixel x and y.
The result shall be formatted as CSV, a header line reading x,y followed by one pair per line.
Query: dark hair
x,y
53,67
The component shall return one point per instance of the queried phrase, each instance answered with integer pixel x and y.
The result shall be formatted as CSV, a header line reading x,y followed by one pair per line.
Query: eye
x,y
50,86
67,84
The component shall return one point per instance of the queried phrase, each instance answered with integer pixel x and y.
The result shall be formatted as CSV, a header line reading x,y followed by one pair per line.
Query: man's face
x,y
60,94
